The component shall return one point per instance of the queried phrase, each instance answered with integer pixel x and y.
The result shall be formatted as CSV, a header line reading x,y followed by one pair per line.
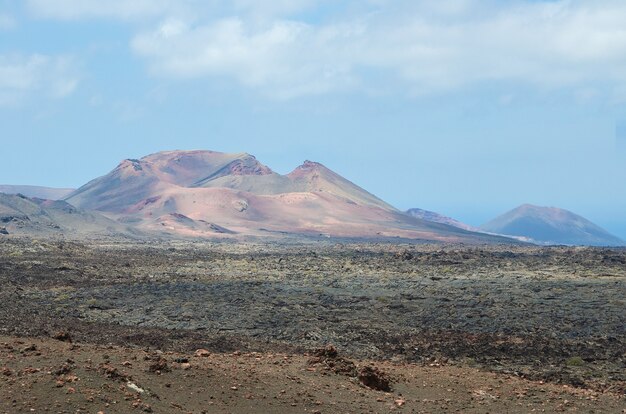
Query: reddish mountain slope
x,y
204,193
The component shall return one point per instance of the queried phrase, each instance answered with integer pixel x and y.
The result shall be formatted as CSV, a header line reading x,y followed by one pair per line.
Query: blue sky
x,y
465,107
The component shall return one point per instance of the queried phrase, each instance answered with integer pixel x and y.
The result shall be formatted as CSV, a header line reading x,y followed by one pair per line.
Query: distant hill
x,y
47,193
33,216
134,180
550,225
439,218
208,193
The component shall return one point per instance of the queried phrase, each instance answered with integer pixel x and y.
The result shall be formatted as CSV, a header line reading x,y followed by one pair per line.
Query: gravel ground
x,y
554,314
47,375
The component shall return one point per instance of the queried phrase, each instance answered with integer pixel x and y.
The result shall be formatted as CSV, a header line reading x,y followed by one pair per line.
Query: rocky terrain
x,y
53,375
554,315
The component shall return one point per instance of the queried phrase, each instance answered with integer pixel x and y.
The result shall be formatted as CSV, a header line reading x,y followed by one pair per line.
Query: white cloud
x,y
274,8
7,22
284,59
551,44
112,9
141,9
37,75
284,48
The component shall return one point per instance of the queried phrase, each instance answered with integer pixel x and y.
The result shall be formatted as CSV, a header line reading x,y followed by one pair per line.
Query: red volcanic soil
x,y
49,375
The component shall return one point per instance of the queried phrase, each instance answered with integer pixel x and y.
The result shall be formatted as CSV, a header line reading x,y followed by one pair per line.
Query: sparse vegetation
x,y
575,361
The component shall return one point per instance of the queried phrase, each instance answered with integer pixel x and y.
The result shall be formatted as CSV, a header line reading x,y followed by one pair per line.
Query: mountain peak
x,y
248,165
203,193
243,165
309,165
177,154
550,225
131,163
536,208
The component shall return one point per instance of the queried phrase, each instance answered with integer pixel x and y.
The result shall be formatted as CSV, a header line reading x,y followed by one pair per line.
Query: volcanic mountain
x,y
35,216
438,218
206,193
47,193
550,225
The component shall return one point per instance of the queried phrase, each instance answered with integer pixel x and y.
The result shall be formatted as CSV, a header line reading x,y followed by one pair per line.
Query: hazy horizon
x,y
467,108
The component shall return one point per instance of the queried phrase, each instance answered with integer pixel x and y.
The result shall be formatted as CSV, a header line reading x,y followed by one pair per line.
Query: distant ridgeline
x,y
209,194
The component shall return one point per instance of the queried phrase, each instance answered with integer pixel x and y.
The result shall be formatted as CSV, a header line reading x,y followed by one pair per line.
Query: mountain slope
x,y
134,180
550,225
204,193
33,216
314,177
438,218
35,191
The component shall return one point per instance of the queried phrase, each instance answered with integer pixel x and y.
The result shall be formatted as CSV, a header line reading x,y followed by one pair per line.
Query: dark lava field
x,y
556,314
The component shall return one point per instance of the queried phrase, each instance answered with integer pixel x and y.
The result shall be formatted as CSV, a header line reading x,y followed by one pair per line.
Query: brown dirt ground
x,y
47,375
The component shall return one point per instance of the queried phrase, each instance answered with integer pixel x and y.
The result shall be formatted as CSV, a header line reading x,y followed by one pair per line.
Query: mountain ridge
x,y
202,193
439,218
48,193
23,215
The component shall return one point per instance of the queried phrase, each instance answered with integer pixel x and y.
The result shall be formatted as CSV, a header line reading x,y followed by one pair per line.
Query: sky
x,y
465,107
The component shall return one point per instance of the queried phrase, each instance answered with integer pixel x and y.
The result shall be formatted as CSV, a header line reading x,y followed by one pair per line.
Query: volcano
x,y
207,193
550,225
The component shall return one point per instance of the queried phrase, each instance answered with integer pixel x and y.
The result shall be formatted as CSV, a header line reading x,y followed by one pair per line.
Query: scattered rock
x,y
30,370
158,365
111,372
375,379
63,336
63,369
68,378
202,353
146,408
329,351
29,348
329,358
400,402
136,388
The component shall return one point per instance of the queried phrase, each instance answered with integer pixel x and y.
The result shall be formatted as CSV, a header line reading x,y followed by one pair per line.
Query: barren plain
x,y
452,328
